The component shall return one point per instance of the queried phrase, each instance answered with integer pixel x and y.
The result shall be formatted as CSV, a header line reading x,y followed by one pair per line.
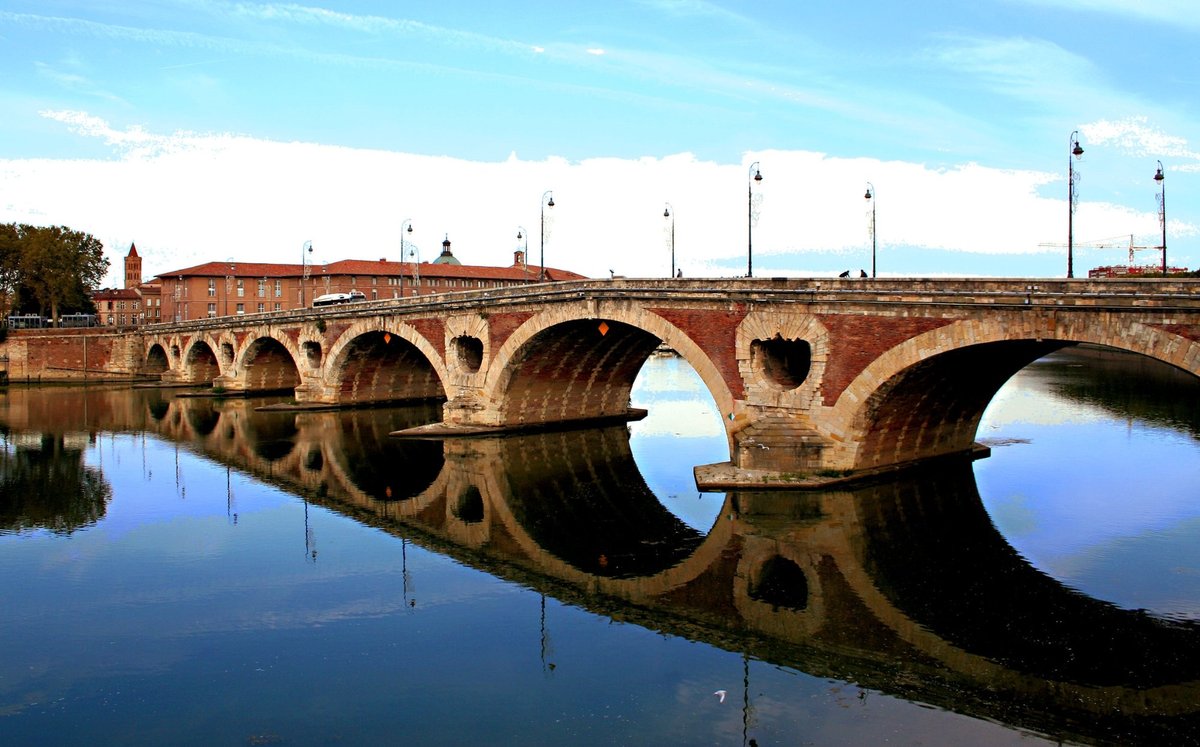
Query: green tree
x,y
10,266
59,267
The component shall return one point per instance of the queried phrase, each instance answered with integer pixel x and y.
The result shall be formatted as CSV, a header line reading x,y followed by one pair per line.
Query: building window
x,y
241,309
278,290
278,306
241,288
374,294
262,287
212,310
374,280
212,287
262,307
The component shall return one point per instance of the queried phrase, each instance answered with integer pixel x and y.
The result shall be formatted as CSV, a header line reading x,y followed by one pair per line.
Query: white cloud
x,y
596,51
188,198
1136,138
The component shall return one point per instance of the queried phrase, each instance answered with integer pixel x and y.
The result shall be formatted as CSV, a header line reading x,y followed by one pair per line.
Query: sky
x,y
210,130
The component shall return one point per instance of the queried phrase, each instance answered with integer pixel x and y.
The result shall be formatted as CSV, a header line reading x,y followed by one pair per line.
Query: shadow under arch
x,y
561,370
200,363
908,405
156,361
378,366
268,366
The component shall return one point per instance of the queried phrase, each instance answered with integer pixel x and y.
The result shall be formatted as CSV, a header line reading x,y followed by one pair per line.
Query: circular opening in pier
x,y
469,508
780,583
783,363
469,351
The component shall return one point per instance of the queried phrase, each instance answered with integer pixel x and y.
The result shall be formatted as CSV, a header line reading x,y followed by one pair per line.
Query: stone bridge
x,y
816,380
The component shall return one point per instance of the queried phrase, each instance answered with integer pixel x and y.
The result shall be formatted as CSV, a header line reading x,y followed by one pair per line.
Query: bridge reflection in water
x,y
904,586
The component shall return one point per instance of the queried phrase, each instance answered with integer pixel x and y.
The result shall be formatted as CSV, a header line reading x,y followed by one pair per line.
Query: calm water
x,y
188,571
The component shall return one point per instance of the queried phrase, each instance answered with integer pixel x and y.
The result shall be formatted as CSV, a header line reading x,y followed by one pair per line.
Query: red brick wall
x,y
856,341
501,327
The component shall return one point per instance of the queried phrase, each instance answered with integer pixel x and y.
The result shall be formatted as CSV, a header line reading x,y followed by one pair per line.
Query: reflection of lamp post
x,y
523,234
545,204
755,176
870,195
1075,152
406,224
668,214
305,252
1162,212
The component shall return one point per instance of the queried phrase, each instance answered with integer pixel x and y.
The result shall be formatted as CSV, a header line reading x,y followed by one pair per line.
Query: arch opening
x,y
933,407
469,507
785,364
469,352
201,363
269,367
379,367
780,583
576,371
156,360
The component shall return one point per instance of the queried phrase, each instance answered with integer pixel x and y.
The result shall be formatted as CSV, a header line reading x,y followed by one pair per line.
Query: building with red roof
x,y
235,288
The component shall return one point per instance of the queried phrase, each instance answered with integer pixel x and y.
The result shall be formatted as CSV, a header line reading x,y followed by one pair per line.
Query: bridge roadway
x,y
817,380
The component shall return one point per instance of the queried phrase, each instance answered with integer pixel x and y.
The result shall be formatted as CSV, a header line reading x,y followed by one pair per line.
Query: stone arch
x,y
199,362
383,361
266,363
156,360
909,404
564,352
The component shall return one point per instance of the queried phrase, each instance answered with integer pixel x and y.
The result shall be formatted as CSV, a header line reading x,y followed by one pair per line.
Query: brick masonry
x,y
894,371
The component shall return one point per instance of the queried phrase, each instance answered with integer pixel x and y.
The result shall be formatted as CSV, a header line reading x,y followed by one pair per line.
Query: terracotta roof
x,y
116,294
380,268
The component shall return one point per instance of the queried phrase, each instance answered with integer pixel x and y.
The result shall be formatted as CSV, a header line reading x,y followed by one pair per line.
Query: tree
x,y
10,266
59,267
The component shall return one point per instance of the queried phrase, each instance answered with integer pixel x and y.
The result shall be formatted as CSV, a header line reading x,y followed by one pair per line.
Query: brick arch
x,y
909,404
559,365
199,362
156,359
379,362
266,363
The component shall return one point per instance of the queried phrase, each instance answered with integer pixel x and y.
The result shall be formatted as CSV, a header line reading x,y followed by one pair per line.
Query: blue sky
x,y
205,130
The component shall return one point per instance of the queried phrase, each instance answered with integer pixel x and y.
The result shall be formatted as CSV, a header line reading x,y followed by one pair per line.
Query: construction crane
x,y
1116,242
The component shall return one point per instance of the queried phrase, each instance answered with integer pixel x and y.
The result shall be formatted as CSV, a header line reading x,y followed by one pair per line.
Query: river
x,y
188,570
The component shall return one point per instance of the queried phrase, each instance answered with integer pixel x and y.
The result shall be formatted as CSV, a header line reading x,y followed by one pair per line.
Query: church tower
x,y
133,268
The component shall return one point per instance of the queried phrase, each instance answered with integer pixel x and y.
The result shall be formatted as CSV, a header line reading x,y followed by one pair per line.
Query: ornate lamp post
x,y
1075,152
754,176
547,201
668,214
305,252
522,234
405,225
414,256
1162,213
870,195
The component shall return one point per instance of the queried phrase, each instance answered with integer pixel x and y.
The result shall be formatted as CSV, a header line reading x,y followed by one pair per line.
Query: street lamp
x,y
523,234
1075,152
668,214
545,204
755,176
405,225
414,257
870,195
305,252
1162,213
